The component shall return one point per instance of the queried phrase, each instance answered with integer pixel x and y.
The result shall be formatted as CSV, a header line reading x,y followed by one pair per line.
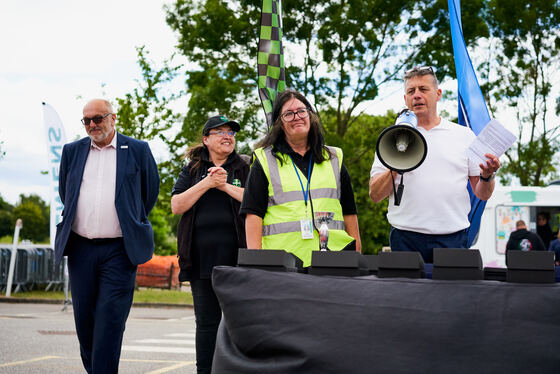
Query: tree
x,y
163,238
526,52
6,221
340,53
34,213
359,152
146,114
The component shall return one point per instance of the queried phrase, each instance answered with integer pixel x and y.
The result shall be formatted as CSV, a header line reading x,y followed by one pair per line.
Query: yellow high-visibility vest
x,y
286,206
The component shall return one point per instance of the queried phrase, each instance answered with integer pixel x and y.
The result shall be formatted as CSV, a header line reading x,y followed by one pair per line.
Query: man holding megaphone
x,y
432,212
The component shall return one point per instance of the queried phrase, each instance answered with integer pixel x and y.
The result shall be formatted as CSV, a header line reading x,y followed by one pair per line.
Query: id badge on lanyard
x,y
306,224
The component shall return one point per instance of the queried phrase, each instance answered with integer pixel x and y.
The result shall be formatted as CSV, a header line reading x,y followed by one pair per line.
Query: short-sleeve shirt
x,y
435,198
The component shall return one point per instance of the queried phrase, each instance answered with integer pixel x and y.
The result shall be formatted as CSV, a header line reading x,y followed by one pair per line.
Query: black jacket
x,y
525,240
237,168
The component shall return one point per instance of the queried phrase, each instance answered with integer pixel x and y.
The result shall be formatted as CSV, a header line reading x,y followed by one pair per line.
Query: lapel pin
x,y
124,146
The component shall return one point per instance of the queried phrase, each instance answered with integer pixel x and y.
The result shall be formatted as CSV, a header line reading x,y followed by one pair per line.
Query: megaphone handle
x,y
397,193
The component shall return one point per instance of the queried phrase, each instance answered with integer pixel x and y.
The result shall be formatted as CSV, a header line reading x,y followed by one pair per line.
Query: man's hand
x,y
491,166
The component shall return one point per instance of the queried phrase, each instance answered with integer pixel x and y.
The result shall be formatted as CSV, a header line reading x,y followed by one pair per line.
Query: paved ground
x,y
41,338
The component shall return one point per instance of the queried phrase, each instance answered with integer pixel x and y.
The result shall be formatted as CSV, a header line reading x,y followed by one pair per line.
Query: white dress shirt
x,y
96,216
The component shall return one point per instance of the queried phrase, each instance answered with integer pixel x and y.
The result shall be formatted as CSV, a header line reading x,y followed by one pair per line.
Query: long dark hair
x,y
315,137
194,155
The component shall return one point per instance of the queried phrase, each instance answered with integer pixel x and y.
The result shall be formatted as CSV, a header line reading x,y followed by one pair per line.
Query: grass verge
x,y
142,295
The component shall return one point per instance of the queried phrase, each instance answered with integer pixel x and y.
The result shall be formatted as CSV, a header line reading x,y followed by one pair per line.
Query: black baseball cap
x,y
218,121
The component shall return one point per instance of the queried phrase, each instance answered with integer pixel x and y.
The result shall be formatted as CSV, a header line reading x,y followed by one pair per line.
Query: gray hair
x,y
420,71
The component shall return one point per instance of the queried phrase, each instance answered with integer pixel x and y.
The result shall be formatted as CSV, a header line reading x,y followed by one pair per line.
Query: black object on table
x,y
268,259
530,266
456,264
400,264
338,263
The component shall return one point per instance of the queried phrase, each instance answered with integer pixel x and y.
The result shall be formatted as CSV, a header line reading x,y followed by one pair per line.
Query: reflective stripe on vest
x,y
281,197
294,226
282,222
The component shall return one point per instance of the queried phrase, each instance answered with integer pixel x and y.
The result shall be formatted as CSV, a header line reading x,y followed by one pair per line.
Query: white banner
x,y
56,138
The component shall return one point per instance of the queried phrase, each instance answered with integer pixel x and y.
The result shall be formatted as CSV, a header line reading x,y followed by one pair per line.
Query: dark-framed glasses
x,y
289,116
96,119
223,133
419,70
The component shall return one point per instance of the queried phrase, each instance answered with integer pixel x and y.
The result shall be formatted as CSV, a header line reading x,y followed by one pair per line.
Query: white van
x,y
508,205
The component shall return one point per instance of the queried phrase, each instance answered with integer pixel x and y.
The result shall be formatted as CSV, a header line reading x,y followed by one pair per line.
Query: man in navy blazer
x,y
108,183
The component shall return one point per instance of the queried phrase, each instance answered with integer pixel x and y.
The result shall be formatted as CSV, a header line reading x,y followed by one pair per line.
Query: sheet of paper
x,y
494,138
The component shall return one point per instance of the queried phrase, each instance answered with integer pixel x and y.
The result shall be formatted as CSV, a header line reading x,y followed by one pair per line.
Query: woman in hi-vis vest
x,y
294,175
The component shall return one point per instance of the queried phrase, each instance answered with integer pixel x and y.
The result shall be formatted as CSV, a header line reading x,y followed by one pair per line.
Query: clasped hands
x,y
491,166
216,177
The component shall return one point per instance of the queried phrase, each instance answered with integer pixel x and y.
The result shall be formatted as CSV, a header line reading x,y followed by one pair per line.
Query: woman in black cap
x,y
208,193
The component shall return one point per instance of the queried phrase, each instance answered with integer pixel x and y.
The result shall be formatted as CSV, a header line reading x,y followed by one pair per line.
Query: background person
x,y
208,194
433,212
108,184
294,174
543,228
524,240
555,247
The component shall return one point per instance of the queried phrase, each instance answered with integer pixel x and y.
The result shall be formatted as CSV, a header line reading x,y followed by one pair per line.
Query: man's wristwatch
x,y
487,179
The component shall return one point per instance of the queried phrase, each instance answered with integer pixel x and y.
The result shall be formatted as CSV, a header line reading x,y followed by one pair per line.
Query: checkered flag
x,y
272,75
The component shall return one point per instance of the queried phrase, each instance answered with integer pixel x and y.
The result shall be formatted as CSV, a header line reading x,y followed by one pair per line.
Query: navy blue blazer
x,y
136,192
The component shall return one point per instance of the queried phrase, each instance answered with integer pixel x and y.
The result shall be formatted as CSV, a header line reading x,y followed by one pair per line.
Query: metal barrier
x,y
35,266
5,255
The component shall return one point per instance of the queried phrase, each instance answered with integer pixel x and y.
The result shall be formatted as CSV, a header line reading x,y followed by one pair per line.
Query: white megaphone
x,y
402,147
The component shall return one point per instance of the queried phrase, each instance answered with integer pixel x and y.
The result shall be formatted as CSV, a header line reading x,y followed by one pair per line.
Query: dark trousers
x,y
402,240
207,314
102,284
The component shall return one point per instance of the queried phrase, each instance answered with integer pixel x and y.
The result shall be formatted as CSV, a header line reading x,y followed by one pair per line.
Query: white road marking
x,y
165,341
160,349
180,335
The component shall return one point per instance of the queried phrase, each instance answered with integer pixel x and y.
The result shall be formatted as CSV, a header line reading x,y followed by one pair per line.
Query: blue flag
x,y
472,106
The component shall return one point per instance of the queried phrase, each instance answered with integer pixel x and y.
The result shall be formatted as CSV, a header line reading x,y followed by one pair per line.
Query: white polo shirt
x,y
435,198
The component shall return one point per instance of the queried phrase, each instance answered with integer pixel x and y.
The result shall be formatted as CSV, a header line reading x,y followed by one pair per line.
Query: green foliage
x,y
526,56
338,53
6,220
142,295
146,114
163,238
34,213
359,152
155,296
437,49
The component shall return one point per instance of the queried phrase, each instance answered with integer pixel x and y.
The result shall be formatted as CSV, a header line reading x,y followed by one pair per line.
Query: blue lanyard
x,y
305,193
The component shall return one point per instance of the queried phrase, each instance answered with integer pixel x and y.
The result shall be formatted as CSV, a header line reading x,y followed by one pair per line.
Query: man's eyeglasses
x,y
223,133
289,116
419,70
96,119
